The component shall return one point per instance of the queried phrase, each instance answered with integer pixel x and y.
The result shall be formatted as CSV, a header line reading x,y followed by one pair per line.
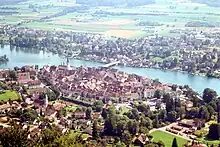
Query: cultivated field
x,y
114,21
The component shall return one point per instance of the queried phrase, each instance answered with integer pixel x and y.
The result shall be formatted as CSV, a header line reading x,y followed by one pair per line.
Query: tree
x,y
104,113
166,97
174,144
162,115
214,132
126,138
209,95
156,122
98,105
172,116
28,115
51,96
160,143
204,113
146,122
170,105
95,134
133,127
142,107
49,135
14,136
192,113
13,75
157,94
88,113
210,110
174,87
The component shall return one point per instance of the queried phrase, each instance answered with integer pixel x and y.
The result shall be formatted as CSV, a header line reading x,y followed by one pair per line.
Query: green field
x,y
177,14
71,108
9,95
167,139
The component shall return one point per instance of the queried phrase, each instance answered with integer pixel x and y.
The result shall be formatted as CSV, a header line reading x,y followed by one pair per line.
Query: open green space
x,y
71,108
171,14
8,94
167,138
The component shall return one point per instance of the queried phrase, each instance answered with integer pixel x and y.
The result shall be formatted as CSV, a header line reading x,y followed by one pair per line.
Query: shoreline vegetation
x,y
3,59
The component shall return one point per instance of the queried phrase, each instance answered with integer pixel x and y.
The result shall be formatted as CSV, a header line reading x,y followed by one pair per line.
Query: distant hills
x,y
115,2
213,3
9,2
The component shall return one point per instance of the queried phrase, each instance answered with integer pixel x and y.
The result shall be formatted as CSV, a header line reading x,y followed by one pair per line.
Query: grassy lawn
x,y
9,95
71,108
167,138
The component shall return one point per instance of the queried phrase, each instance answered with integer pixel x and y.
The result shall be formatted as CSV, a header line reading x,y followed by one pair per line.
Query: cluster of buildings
x,y
35,110
193,51
186,127
88,82
100,83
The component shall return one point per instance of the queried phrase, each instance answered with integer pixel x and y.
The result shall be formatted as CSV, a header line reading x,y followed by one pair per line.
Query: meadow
x,y
112,21
167,139
8,94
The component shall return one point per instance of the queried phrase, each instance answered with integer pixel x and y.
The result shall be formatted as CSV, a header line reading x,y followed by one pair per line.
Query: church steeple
x,y
68,64
67,61
46,101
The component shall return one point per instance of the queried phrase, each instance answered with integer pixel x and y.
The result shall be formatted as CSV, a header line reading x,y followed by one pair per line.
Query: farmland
x,y
113,21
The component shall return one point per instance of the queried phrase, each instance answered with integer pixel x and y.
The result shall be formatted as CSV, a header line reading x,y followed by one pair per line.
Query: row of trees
x,y
15,136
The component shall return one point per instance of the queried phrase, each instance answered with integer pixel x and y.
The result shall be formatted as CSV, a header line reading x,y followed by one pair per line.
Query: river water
x,y
21,57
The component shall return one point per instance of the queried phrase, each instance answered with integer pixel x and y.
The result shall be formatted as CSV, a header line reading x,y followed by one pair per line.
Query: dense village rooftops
x,y
100,82
34,83
5,106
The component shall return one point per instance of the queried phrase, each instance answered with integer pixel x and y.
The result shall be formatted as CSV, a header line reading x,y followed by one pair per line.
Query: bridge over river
x,y
111,64
28,56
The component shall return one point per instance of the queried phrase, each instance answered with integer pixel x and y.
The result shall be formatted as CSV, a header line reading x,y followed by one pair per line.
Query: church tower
x,y
46,101
68,64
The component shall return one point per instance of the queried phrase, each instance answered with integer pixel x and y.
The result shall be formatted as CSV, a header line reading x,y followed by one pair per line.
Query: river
x,y
21,57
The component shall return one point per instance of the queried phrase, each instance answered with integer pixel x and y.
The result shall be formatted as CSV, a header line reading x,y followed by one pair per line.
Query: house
x,y
88,131
96,115
5,107
58,106
24,77
83,122
34,84
189,104
50,111
149,93
80,115
3,74
192,123
36,92
140,140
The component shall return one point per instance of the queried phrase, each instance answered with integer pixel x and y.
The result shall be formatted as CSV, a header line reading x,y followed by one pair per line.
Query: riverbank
x,y
3,59
192,56
147,67
21,58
